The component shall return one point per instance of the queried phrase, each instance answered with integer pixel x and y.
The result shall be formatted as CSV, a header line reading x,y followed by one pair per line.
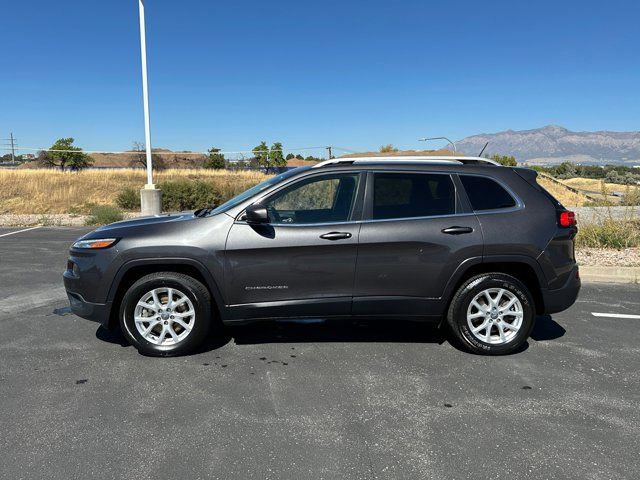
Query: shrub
x,y
104,214
178,195
128,199
610,234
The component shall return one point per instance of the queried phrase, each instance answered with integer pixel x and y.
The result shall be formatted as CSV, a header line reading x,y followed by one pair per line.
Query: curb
x,y
590,273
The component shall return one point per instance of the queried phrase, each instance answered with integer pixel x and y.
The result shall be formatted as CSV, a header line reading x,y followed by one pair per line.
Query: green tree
x,y
290,156
276,158
215,159
261,154
506,160
64,154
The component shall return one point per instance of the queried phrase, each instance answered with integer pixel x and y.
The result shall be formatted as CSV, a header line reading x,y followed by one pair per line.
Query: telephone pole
x,y
12,144
330,154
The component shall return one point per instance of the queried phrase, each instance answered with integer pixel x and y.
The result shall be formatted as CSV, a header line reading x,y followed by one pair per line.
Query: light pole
x,y
150,196
439,138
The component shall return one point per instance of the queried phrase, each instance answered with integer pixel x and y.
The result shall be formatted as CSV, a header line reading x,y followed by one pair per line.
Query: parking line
x,y
614,315
19,231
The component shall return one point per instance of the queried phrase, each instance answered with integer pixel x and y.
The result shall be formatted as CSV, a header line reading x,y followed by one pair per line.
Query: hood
x,y
147,221
144,226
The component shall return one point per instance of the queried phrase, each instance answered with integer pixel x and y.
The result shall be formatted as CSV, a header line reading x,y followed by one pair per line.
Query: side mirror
x,y
256,213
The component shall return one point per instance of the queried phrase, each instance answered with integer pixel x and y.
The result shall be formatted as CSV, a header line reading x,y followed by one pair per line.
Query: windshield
x,y
229,204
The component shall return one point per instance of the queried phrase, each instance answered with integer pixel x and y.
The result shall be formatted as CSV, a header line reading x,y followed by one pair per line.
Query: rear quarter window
x,y
486,194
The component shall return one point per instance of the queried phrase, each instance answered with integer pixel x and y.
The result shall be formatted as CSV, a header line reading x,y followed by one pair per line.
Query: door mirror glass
x,y
256,213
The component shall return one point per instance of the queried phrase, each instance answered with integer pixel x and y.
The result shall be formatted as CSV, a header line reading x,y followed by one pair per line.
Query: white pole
x,y
145,95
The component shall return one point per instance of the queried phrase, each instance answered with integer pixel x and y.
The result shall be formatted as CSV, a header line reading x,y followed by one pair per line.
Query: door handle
x,y
336,235
457,230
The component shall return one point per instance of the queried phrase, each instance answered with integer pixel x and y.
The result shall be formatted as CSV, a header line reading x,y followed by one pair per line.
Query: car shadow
x,y
546,328
351,331
111,336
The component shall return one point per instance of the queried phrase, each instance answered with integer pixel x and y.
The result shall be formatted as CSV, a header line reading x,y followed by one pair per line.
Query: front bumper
x,y
96,312
562,298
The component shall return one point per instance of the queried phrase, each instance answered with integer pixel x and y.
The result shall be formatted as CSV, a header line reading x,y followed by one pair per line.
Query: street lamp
x,y
439,138
150,196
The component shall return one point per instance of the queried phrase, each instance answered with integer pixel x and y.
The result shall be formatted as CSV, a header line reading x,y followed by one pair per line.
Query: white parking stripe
x,y
19,231
614,315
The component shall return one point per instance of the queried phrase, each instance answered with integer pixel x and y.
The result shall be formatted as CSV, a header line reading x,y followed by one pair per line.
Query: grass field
x,y
52,191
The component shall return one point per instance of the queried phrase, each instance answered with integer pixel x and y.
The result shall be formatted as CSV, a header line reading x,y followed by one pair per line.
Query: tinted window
x,y
486,194
324,199
406,195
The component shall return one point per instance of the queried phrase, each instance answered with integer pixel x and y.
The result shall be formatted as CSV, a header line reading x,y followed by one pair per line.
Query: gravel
x,y
609,257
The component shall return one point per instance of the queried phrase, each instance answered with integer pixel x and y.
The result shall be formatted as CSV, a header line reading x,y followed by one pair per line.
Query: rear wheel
x,y
492,314
166,314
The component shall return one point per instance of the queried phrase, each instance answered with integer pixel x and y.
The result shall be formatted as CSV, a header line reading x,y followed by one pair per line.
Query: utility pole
x,y
13,148
12,145
330,154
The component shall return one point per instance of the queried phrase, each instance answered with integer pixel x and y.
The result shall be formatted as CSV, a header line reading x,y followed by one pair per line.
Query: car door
x,y
301,263
414,236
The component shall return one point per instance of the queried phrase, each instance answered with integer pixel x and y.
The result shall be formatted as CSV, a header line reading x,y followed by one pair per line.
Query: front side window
x,y
325,199
408,195
486,194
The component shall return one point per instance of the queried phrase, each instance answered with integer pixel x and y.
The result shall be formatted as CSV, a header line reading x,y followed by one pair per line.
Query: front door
x,y
302,263
412,240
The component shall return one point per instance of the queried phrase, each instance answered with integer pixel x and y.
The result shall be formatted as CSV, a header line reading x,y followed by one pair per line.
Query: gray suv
x,y
460,241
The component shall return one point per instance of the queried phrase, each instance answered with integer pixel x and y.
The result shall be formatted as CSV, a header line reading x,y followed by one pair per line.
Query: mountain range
x,y
555,144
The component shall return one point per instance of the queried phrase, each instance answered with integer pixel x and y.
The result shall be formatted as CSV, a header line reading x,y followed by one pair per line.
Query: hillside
x,y
554,144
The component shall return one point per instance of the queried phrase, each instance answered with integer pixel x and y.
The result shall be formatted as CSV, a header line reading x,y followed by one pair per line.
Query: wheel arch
x,y
523,268
135,269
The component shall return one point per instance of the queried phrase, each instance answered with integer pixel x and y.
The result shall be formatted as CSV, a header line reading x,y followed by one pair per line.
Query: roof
x,y
413,159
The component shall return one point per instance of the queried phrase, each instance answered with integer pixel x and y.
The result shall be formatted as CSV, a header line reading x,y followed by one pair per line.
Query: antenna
x,y
482,151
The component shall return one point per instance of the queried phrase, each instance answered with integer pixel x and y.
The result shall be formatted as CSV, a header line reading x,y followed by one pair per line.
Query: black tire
x,y
457,314
192,288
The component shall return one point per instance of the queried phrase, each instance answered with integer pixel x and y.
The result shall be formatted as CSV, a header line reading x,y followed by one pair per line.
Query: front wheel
x,y
492,314
166,314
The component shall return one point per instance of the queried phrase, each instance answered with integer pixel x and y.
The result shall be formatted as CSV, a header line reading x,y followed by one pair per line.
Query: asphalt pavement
x,y
316,400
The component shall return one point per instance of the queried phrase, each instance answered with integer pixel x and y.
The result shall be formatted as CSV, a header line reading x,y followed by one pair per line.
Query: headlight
x,y
95,243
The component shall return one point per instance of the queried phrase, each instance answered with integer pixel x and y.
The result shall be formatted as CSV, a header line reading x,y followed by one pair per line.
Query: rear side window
x,y
486,194
408,195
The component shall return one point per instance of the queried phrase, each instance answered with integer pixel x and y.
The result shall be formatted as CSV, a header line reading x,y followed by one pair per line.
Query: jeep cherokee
x,y
462,241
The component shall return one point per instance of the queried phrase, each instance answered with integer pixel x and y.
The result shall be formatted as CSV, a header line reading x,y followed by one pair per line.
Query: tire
x,y
507,314
190,320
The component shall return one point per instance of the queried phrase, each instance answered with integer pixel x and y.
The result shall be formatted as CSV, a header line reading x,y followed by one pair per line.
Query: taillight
x,y
567,219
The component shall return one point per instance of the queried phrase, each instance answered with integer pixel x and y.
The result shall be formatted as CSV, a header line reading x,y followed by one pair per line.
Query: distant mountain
x,y
554,144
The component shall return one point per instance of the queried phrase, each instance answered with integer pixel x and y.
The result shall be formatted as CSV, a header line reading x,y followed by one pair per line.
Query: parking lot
x,y
331,400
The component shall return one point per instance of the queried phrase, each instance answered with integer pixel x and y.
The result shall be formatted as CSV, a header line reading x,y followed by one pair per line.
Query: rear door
x,y
414,236
303,262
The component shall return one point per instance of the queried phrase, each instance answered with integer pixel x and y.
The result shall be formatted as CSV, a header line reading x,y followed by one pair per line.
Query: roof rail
x,y
445,159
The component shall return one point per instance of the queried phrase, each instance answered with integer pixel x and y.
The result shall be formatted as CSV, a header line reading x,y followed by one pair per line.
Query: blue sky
x,y
350,73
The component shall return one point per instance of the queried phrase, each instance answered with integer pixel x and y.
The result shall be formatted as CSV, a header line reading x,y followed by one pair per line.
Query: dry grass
x,y
52,191
563,195
594,185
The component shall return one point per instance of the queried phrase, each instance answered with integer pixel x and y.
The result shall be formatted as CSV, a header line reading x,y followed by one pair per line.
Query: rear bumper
x,y
562,298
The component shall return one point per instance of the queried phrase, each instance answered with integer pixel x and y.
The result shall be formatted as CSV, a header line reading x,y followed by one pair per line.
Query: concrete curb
x,y
590,273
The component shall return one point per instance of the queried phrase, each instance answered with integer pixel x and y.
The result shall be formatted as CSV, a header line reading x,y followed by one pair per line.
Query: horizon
x,y
231,76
